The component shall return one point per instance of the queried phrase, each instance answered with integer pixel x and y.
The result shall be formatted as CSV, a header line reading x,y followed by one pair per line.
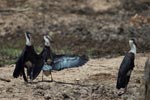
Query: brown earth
x,y
92,27
87,26
95,80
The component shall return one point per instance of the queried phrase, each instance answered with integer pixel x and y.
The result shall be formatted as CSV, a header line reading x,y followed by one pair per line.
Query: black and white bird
x,y
126,68
59,62
28,59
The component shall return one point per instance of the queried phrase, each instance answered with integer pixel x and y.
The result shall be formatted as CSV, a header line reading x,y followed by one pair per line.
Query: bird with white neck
x,y
28,38
126,68
132,44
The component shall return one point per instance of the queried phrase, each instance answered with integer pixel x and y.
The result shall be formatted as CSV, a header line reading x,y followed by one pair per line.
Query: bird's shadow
x,y
36,82
59,82
68,83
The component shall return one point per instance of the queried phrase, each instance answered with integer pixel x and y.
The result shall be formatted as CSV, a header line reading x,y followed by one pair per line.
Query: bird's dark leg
x,y
27,74
31,74
42,76
125,89
51,76
29,67
24,76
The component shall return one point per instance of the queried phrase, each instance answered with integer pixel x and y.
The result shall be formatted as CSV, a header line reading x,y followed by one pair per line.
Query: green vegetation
x,y
8,55
10,52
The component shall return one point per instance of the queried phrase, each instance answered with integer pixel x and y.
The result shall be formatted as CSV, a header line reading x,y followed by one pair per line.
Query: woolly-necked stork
x,y
126,68
28,59
59,62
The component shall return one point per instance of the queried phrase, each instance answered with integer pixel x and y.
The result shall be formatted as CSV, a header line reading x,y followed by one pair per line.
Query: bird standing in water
x,y
126,68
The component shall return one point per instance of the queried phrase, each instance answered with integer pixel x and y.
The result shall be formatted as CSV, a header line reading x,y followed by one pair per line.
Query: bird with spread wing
x,y
59,62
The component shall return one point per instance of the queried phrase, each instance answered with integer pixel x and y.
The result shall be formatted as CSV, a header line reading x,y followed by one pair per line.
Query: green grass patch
x,y
8,55
10,52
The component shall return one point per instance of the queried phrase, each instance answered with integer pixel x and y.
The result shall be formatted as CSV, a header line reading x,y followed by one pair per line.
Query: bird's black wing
x,y
24,75
40,59
46,53
68,62
37,67
28,54
19,65
125,71
127,63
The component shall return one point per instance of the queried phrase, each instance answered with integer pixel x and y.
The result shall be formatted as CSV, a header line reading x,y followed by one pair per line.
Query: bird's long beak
x,y
49,38
135,44
28,35
28,38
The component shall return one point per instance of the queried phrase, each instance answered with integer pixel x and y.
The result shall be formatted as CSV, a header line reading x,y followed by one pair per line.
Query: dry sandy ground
x,y
95,80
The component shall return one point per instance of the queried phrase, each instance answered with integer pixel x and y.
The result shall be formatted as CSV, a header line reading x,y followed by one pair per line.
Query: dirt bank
x,y
95,80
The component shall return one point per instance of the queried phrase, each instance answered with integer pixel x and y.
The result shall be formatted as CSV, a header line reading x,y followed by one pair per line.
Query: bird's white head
x,y
47,40
28,38
133,45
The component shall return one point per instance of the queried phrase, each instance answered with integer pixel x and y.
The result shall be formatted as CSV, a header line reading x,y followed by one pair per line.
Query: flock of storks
x,y
47,61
